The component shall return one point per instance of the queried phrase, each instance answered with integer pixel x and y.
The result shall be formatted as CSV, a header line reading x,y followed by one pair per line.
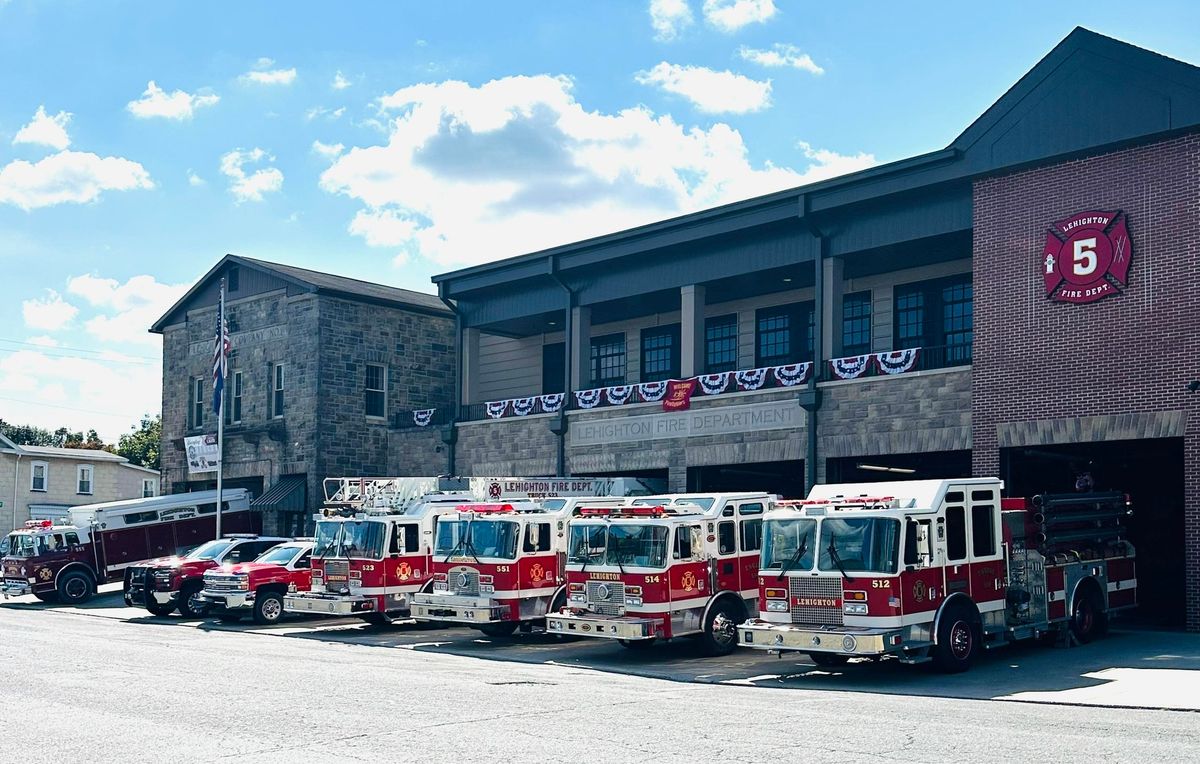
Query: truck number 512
x,y
881,583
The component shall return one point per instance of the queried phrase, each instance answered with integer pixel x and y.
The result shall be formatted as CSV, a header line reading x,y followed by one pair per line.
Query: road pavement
x,y
119,685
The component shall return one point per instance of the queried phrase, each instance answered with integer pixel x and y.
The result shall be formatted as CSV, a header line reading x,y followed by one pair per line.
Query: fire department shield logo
x,y
494,491
1087,257
404,571
45,574
919,591
688,581
537,572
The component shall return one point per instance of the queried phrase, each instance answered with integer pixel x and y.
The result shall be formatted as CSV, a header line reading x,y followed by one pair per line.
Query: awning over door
x,y
289,494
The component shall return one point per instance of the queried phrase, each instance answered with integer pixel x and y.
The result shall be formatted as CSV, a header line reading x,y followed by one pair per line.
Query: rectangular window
x,y
784,334
660,353
910,318
856,323
689,542
958,314
720,344
554,367
726,537
233,280
983,537
72,538
149,489
608,360
39,476
956,533
751,535
937,314
84,473
233,402
537,538
376,390
276,389
196,404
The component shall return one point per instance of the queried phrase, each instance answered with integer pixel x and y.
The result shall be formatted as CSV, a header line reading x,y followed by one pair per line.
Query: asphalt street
x,y
109,683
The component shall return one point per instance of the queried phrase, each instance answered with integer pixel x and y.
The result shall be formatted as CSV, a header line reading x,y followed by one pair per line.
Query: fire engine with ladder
x,y
500,567
664,567
938,570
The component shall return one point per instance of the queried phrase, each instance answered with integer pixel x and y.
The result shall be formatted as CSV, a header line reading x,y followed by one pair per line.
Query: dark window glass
x,y
198,401
608,360
376,390
956,533
784,334
958,321
233,406
856,323
983,540
910,317
751,535
726,537
720,344
554,367
660,353
72,538
537,537
234,279
937,313
277,381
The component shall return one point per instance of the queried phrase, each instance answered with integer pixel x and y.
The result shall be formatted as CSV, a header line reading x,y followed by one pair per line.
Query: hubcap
x,y
1083,616
75,588
960,639
724,629
195,604
271,609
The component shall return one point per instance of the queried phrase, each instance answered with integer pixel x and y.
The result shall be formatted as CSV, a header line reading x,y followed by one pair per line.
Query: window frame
x,y
715,344
957,528
149,483
800,341
379,392
856,323
277,389
233,406
670,332
80,469
45,476
196,403
612,340
932,295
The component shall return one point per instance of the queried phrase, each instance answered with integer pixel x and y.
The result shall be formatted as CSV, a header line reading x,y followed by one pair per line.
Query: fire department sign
x,y
1086,257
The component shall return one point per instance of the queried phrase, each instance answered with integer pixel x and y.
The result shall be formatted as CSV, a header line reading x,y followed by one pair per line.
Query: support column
x,y
834,287
581,348
470,367
691,330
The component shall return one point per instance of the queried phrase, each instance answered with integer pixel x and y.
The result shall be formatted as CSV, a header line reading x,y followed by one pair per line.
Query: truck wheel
x,y
637,644
75,587
958,638
829,660
720,628
499,630
46,596
190,604
158,608
1088,619
268,608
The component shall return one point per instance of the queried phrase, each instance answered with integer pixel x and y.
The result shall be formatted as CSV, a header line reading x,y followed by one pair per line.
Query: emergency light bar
x,y
656,511
39,524
485,509
844,500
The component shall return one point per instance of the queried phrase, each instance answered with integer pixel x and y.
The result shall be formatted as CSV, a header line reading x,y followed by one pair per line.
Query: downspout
x,y
450,429
560,425
16,479
810,397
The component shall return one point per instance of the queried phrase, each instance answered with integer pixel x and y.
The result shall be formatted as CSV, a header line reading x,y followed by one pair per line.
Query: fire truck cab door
x,y
988,569
728,572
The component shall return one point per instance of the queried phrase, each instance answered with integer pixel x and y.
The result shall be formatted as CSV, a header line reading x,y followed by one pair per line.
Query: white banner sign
x,y
721,420
201,453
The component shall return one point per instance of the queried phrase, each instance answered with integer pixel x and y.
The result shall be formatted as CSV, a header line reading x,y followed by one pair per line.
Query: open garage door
x,y
932,465
785,478
1151,472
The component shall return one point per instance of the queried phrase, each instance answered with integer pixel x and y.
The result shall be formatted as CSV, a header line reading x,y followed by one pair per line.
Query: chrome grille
x,y
222,584
813,593
337,571
613,604
463,582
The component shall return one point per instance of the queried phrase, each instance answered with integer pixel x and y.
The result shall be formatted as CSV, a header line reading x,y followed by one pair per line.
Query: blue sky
x,y
391,141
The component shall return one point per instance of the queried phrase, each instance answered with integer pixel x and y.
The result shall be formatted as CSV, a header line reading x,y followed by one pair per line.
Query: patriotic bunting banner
x,y
751,379
714,384
587,399
897,362
850,367
496,409
422,417
792,374
652,392
618,394
552,402
522,406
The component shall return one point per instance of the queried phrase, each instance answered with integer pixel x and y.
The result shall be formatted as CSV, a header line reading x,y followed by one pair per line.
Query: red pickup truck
x,y
259,587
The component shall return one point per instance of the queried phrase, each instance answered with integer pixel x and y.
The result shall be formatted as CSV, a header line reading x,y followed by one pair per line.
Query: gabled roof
x,y
316,281
77,454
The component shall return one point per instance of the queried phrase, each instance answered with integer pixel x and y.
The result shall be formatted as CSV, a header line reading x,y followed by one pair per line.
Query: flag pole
x,y
221,407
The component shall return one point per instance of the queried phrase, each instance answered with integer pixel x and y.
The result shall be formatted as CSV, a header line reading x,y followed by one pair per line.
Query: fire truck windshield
x,y
783,541
478,537
360,539
20,545
641,545
868,544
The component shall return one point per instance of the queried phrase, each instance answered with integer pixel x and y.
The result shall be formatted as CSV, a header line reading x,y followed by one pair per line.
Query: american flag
x,y
221,348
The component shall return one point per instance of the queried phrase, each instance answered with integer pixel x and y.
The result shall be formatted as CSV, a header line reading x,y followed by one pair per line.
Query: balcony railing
x,y
765,378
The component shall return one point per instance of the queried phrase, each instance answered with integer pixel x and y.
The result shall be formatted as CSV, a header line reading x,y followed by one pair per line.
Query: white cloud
x,y
124,312
263,75
339,82
669,18
321,111
473,174
180,105
330,151
710,91
45,130
68,176
250,187
194,179
50,313
781,54
731,15
830,164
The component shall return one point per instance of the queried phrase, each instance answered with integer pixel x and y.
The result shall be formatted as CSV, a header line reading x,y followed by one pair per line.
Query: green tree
x,y
141,446
27,435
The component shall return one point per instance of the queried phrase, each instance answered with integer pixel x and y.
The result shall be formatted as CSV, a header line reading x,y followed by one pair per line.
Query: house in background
x,y
42,482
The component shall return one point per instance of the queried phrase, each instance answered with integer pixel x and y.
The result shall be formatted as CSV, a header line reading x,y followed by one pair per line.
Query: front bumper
x,y
328,604
761,635
16,588
457,608
137,597
228,600
609,627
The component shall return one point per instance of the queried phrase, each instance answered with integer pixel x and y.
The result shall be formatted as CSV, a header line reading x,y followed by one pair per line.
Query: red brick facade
x,y
1133,353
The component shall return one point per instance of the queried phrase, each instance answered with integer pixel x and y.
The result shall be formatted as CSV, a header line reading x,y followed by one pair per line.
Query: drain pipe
x,y
810,397
560,424
16,479
450,429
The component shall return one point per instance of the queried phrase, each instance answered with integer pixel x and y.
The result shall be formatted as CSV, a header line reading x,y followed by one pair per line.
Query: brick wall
x,y
1132,353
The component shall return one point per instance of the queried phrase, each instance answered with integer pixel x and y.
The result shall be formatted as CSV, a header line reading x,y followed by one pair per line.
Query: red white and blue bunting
x,y
618,395
552,402
496,409
714,384
751,379
898,361
522,406
850,367
422,417
588,399
792,374
652,392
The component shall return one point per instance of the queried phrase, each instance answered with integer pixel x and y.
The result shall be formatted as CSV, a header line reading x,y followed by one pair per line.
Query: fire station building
x,y
1021,303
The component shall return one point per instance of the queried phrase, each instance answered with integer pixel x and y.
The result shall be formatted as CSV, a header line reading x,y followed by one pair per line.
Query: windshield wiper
x,y
800,550
837,560
461,540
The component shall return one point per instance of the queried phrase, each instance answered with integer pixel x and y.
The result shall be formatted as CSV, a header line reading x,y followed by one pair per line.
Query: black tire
x,y
829,660
959,640
499,630
190,605
46,596
75,587
157,609
637,644
1088,619
268,608
720,627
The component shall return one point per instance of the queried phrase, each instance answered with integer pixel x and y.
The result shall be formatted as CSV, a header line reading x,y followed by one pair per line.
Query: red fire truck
x,y
664,567
258,587
500,567
937,570
101,541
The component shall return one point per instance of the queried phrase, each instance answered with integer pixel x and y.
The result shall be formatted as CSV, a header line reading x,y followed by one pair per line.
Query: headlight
x,y
633,601
243,582
487,589
854,608
777,606
318,573
581,597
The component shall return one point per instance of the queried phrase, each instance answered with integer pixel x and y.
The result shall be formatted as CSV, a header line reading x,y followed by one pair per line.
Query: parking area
x,y
1128,669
